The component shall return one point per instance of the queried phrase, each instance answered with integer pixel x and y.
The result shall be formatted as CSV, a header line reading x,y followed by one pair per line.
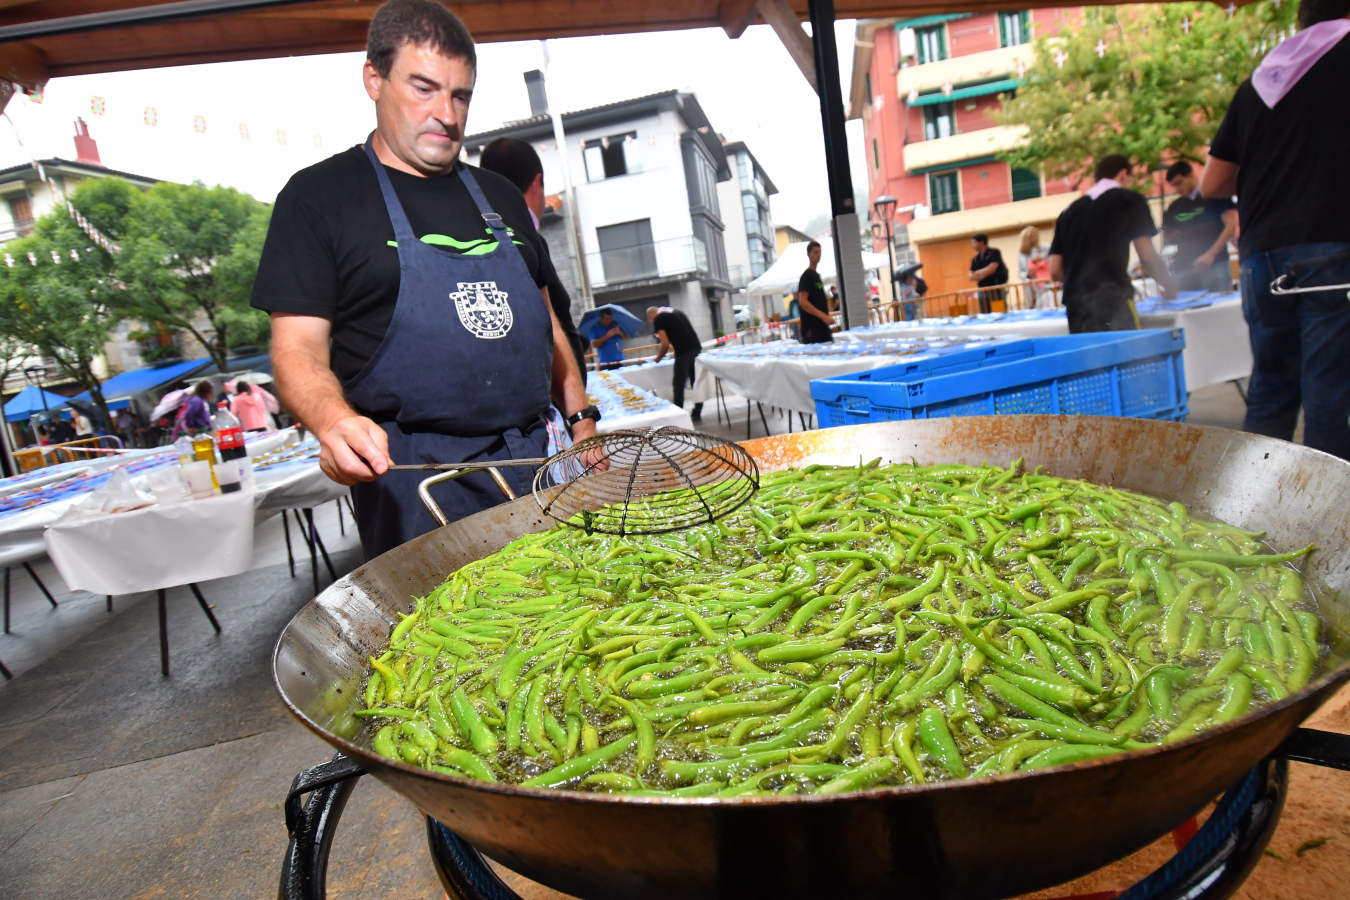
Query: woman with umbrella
x,y
912,289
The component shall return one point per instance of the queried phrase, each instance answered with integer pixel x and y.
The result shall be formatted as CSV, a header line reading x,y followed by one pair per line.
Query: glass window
x,y
939,121
876,155
626,250
867,86
944,193
611,156
1026,184
932,43
1014,28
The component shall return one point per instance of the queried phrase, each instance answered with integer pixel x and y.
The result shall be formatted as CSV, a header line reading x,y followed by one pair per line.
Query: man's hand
x,y
1203,261
825,317
593,459
354,449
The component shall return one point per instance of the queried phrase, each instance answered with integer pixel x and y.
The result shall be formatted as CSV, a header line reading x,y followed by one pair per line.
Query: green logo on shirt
x,y
479,247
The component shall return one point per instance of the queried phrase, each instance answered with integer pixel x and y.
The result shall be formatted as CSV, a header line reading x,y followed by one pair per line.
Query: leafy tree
x,y
63,306
187,261
1149,81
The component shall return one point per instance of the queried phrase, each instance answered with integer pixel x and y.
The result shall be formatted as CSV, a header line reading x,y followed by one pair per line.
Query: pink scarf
x,y
1286,64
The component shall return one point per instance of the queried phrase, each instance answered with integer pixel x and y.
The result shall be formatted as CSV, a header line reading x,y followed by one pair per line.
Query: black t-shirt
x,y
813,329
1293,183
683,338
1193,224
330,248
1094,238
990,255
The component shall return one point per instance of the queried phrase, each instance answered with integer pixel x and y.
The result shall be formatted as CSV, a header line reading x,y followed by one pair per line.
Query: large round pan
x,y
982,838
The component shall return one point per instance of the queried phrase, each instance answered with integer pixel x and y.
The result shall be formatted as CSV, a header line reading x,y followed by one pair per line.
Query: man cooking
x,y
409,324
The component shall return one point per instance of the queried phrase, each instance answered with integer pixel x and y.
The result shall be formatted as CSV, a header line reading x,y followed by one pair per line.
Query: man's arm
x,y
1229,217
984,271
1219,178
810,309
354,448
1153,266
569,394
1056,262
665,344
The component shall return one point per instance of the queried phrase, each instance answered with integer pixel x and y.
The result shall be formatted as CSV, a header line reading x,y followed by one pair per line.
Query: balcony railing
x,y
670,258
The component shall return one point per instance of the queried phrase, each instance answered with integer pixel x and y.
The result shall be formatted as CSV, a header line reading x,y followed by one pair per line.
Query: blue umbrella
x,y
628,323
33,399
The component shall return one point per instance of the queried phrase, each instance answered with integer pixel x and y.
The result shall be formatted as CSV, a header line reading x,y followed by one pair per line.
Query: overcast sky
x,y
749,88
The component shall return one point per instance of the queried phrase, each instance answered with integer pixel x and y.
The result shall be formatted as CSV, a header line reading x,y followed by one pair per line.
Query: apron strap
x,y
403,232
485,210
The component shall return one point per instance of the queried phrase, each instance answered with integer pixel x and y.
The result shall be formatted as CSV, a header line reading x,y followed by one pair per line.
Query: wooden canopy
x,y
42,39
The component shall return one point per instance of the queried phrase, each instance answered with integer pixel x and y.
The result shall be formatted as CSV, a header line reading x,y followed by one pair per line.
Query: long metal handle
x,y
424,489
468,466
1277,288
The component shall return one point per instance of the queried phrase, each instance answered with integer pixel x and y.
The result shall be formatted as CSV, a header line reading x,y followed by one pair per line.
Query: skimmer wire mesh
x,y
658,480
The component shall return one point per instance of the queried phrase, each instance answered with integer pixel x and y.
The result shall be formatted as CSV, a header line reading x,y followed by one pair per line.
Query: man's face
x,y
607,318
977,246
813,255
421,109
1184,184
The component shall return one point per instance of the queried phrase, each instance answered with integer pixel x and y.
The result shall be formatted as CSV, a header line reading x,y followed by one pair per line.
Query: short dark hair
x,y
1310,12
204,389
514,159
1177,170
1110,166
981,237
814,245
400,22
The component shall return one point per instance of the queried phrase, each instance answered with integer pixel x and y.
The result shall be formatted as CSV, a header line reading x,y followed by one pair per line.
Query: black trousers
x,y
684,375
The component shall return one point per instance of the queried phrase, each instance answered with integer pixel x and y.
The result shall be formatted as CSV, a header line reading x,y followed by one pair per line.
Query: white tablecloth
x,y
657,378
161,546
624,405
1025,323
1217,345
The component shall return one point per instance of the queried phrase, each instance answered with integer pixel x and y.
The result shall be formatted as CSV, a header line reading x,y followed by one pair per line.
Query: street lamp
x,y
885,207
34,375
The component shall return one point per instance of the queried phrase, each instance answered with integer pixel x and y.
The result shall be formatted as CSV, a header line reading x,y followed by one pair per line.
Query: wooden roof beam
x,y
783,20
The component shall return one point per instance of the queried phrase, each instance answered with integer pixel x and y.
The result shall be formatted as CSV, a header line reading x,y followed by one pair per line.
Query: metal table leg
x,y
318,542
309,540
163,635
342,525
6,599
42,587
286,529
201,601
5,672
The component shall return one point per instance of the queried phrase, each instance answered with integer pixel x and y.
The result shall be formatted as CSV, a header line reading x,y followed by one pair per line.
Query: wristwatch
x,y
590,412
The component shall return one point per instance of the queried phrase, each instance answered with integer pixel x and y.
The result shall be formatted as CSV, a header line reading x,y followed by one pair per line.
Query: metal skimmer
x,y
630,482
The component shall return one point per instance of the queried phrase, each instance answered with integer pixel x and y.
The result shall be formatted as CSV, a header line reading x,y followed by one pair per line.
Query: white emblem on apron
x,y
483,309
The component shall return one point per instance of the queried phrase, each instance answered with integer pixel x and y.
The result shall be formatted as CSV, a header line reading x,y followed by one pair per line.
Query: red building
x,y
924,88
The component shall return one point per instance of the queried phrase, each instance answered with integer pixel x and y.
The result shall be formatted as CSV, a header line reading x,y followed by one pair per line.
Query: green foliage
x,y
1156,94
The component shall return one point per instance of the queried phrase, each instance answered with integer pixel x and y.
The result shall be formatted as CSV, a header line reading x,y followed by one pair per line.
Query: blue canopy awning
x,y
30,400
122,387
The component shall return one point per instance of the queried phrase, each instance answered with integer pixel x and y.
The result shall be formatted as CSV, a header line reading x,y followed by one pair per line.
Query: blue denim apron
x,y
462,375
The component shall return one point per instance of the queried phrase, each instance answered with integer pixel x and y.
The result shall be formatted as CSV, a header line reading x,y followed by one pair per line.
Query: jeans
x,y
1300,346
684,375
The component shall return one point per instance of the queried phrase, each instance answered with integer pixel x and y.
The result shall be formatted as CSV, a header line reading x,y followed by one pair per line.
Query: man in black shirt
x,y
518,162
1091,252
812,301
986,270
675,332
410,322
1281,148
1200,229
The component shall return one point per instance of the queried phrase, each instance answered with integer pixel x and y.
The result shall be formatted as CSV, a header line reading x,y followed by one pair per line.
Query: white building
x,y
745,207
645,173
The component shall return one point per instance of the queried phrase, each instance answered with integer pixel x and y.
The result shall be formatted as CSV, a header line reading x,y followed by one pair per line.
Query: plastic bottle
x,y
229,434
183,447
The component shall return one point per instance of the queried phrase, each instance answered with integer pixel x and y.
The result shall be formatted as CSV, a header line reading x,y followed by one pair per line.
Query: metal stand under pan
x,y
1211,865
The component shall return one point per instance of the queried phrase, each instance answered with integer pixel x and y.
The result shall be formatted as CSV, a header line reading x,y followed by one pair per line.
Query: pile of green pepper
x,y
849,627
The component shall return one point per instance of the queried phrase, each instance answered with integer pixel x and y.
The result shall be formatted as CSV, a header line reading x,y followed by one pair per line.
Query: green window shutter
x,y
944,193
1026,184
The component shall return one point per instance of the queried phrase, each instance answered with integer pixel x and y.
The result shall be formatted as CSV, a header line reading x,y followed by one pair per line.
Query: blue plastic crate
x,y
1120,373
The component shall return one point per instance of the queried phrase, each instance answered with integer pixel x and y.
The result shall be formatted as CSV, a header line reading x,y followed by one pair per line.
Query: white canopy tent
x,y
782,277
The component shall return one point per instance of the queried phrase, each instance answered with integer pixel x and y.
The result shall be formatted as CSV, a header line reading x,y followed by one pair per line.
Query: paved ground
x,y
116,782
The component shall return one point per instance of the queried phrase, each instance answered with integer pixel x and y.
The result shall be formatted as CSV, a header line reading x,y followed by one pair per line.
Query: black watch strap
x,y
590,412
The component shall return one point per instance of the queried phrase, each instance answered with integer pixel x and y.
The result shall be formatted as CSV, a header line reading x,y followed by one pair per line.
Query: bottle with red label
x,y
229,435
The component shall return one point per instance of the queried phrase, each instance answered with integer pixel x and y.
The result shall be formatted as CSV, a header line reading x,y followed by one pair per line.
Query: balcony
x,y
960,70
926,155
672,259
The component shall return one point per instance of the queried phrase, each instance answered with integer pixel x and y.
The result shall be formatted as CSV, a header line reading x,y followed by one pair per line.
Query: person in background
x,y
61,430
912,288
195,413
987,269
518,162
676,333
1091,251
607,339
248,408
1200,229
44,437
83,427
408,291
125,426
1033,267
812,301
834,299
1281,148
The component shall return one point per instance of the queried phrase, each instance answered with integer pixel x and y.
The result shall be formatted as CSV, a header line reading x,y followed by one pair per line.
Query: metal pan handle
x,y
424,489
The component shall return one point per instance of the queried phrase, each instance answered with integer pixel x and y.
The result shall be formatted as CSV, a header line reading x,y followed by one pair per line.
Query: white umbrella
x,y
254,377
782,276
169,403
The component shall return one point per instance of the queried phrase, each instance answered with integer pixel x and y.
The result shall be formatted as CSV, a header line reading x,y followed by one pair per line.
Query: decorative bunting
x,y
75,254
9,260
1186,25
98,106
32,258
1100,48
912,96
318,141
1020,68
947,89
1060,58
1230,9
37,94
151,116
243,132
199,124
281,137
